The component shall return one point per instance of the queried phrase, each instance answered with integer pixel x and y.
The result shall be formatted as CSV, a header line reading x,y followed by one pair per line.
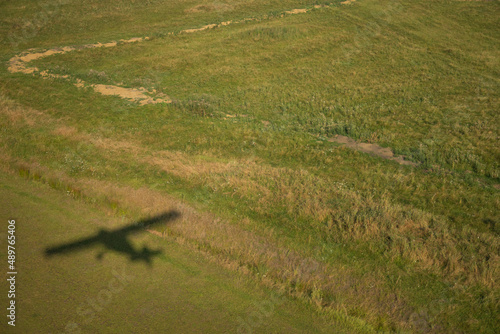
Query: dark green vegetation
x,y
245,144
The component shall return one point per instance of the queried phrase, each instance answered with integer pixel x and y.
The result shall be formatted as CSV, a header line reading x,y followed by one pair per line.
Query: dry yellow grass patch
x,y
407,233
65,131
262,254
17,114
219,7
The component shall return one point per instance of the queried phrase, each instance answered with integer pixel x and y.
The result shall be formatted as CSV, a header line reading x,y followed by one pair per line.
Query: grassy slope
x,y
180,293
426,237
339,75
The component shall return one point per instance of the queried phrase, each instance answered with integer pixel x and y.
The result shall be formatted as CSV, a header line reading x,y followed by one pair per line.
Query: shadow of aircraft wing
x,y
140,225
73,246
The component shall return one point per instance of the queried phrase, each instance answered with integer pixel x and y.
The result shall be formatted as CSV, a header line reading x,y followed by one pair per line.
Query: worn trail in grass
x,y
19,63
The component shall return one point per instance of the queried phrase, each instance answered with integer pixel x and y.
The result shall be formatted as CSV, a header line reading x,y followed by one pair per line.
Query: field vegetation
x,y
246,151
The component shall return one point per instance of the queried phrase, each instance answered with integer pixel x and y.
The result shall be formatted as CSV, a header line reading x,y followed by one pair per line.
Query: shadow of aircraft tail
x,y
146,255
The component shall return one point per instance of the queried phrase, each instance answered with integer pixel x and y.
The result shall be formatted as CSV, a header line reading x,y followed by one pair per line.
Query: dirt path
x,y
20,63
373,149
143,96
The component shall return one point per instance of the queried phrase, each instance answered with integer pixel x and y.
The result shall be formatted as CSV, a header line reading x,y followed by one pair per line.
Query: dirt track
x,y
373,149
143,96
19,63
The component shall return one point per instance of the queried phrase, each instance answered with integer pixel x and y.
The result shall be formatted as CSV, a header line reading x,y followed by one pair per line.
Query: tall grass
x,y
243,149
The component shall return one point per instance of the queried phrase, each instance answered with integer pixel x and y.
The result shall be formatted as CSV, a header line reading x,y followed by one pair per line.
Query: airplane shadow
x,y
116,240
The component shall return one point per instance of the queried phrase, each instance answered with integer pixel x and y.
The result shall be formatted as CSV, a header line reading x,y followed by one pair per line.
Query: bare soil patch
x,y
19,63
297,11
373,149
133,94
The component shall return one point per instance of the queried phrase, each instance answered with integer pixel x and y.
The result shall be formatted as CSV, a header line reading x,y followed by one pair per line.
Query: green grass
x,y
180,293
335,77
400,248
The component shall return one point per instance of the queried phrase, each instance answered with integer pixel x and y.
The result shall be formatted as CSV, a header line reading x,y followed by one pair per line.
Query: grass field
x,y
76,293
246,149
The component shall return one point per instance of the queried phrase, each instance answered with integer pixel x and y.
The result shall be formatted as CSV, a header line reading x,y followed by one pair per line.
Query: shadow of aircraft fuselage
x,y
117,240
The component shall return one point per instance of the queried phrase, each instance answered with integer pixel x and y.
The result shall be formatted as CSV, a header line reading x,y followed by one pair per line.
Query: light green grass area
x,y
180,293
245,144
